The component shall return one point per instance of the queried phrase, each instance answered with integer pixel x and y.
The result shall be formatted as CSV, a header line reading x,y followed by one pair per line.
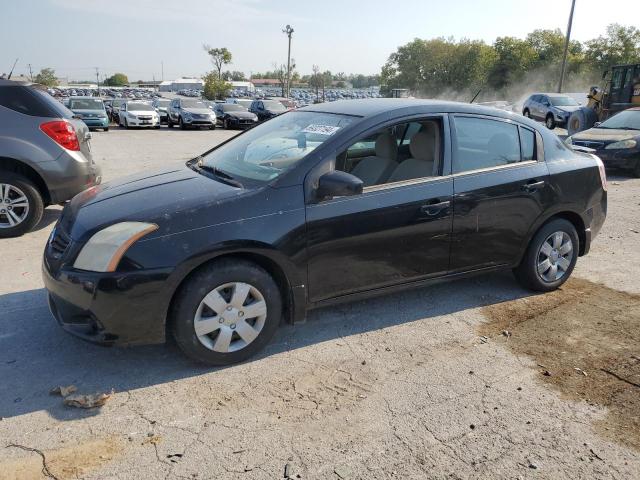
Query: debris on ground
x,y
506,333
579,370
287,470
63,391
342,472
484,339
87,401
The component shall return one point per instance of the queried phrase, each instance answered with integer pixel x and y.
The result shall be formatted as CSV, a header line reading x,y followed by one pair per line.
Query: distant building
x,y
244,86
266,82
181,84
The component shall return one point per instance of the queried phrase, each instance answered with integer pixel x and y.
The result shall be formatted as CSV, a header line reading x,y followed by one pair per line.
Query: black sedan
x,y
328,203
616,141
232,115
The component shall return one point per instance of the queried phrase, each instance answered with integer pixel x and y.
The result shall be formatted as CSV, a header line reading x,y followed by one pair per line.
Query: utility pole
x,y
162,70
288,30
98,80
30,73
566,46
316,69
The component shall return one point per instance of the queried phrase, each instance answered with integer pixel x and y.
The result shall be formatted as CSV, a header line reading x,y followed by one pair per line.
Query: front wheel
x,y
182,124
526,113
550,257
550,122
226,312
21,205
169,122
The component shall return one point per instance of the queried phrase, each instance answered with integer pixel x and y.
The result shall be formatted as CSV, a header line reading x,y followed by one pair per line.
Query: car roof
x,y
373,106
84,97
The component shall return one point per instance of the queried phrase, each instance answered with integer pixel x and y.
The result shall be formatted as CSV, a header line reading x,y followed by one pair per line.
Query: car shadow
x,y
51,215
37,355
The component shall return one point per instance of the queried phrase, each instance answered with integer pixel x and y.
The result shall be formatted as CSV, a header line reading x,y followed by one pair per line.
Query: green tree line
x,y
444,67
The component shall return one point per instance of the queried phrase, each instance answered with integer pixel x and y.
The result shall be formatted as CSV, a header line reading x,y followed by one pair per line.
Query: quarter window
x,y
482,143
528,142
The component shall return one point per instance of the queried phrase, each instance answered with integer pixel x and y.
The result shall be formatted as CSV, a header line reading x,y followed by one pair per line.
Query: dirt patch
x,y
64,463
585,339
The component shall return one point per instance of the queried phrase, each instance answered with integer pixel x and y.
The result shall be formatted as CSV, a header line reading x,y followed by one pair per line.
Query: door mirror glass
x,y
338,184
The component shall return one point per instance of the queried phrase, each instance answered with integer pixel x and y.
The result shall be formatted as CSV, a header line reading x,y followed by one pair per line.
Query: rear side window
x,y
482,143
528,143
27,101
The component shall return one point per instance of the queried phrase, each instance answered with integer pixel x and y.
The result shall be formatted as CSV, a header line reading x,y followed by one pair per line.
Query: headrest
x,y
422,146
386,146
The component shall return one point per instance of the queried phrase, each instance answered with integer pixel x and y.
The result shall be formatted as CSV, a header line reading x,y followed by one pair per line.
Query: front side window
x,y
483,143
402,152
268,150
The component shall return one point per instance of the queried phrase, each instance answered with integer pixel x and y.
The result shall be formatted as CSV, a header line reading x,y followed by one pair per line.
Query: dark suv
x,y
266,109
553,109
45,156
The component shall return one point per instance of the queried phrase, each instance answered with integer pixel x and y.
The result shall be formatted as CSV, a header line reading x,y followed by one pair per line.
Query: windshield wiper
x,y
219,174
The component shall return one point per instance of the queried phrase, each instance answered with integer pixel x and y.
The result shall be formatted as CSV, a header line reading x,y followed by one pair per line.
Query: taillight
x,y
603,173
63,133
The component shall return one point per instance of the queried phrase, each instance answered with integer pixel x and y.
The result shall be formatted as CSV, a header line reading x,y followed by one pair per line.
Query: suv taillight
x,y
63,133
603,173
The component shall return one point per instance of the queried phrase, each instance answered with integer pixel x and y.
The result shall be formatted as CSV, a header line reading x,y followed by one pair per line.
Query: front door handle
x,y
435,207
532,185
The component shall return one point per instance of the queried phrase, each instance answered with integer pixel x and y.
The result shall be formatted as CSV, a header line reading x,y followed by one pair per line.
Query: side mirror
x,y
338,184
597,124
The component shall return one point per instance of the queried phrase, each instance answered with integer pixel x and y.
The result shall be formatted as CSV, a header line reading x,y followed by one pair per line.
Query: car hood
x,y
569,108
141,112
155,197
606,134
242,115
198,111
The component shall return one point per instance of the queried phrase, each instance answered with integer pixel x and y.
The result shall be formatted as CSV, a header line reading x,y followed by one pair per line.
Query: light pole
x,y
566,46
289,31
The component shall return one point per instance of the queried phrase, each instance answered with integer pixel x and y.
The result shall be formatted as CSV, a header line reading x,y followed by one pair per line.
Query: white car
x,y
138,114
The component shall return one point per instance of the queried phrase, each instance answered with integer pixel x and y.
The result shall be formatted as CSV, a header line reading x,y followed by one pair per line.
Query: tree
x,y
219,57
620,45
215,88
47,77
235,76
117,80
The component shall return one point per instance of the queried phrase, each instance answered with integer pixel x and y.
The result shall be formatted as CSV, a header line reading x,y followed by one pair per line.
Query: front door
x,y
396,231
500,190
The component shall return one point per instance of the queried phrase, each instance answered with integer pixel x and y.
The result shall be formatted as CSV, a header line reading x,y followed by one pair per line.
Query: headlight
x,y
213,116
187,115
103,251
629,143
131,115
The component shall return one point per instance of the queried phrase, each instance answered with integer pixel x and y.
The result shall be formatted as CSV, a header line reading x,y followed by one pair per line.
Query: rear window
x,y
30,101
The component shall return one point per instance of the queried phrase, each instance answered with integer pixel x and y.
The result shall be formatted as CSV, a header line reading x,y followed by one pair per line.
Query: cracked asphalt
x,y
400,386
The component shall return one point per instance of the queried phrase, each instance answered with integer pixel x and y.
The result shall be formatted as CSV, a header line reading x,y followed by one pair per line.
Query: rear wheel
x,y
550,122
226,312
21,205
550,257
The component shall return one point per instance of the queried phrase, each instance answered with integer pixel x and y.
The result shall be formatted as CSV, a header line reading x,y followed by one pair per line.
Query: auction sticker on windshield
x,y
321,129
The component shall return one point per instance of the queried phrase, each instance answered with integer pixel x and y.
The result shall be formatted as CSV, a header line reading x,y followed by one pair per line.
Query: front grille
x,y
144,117
589,144
59,242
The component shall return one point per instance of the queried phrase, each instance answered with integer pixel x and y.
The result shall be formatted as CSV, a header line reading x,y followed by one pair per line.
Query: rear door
x,y
501,186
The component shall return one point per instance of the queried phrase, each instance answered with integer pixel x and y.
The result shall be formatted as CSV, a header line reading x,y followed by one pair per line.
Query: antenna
x,y
14,66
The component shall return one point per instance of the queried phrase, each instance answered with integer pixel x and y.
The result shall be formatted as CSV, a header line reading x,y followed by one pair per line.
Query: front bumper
x,y
108,308
241,123
627,158
199,121
136,122
96,122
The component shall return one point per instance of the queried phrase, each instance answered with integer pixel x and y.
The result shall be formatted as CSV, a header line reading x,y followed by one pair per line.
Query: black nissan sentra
x,y
328,203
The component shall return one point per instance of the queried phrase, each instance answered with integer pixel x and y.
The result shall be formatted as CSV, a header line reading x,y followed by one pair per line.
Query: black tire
x,y
550,122
212,127
582,119
169,122
35,201
527,272
181,123
526,113
106,129
225,124
636,171
204,281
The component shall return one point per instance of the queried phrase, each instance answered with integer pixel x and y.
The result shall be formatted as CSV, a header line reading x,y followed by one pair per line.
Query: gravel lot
x,y
402,386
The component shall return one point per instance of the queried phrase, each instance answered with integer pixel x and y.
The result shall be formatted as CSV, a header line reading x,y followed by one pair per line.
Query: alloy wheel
x,y
555,256
14,206
230,317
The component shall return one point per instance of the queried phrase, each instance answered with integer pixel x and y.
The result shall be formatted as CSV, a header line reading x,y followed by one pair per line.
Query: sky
x,y
137,37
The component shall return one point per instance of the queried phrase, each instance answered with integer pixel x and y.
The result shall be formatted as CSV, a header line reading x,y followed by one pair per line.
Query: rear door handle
x,y
532,185
434,207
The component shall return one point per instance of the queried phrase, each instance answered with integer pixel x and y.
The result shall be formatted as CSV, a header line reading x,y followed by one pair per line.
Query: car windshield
x,y
163,103
140,107
86,104
268,150
230,107
562,101
193,104
628,120
274,106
